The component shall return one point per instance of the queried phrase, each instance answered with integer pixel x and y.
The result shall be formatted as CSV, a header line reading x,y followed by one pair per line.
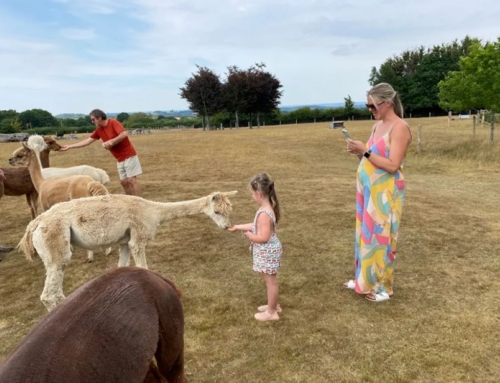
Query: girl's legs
x,y
272,292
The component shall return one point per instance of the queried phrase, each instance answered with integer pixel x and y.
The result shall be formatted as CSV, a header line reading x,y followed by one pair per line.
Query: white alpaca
x,y
38,144
98,222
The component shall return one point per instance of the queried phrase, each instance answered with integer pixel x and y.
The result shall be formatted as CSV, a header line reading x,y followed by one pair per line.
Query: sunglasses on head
x,y
373,106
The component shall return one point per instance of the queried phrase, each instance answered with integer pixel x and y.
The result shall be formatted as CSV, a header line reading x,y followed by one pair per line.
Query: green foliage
x,y
122,117
35,118
10,125
415,74
349,105
477,82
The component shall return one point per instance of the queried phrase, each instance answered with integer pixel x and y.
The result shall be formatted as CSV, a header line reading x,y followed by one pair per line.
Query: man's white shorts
x,y
129,168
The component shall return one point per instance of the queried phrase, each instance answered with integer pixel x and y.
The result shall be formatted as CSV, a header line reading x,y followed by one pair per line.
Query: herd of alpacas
x,y
126,325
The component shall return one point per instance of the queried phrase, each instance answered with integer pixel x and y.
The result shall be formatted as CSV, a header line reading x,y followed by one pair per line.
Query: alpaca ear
x,y
216,197
26,147
231,193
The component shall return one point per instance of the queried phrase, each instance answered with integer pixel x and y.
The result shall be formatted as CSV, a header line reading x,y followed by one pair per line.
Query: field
x,y
443,324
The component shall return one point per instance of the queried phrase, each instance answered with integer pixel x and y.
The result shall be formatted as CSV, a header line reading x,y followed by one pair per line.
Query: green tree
x,y
10,125
36,118
122,117
416,73
477,82
348,106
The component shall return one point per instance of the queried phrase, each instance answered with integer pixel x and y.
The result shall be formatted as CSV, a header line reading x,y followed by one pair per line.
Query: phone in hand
x,y
346,134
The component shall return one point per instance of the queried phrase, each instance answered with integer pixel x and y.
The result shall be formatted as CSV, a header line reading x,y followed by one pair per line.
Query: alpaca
x,y
38,144
18,181
96,222
58,190
108,330
55,190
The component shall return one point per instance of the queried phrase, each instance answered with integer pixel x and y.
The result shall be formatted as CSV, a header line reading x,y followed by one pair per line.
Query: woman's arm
x,y
400,138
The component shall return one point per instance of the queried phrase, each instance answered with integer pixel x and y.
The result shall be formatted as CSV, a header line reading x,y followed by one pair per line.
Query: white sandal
x,y
380,297
351,285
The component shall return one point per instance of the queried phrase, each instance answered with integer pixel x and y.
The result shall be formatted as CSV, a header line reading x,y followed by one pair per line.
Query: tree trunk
x,y
237,122
258,119
203,121
250,121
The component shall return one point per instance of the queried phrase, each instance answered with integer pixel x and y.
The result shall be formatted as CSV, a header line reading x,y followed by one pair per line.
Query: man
x,y
3,249
115,139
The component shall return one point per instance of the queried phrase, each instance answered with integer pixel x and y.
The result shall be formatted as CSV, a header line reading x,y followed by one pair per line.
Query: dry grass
x,y
441,326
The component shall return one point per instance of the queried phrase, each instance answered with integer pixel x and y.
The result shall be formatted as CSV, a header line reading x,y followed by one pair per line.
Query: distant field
x,y
442,325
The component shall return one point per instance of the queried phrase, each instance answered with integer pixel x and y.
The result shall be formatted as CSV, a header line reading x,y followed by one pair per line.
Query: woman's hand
x,y
355,147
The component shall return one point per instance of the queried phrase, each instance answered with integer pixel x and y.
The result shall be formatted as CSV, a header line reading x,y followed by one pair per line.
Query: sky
x,y
71,56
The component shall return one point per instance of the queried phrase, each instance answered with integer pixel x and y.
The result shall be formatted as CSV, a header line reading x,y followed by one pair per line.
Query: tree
x,y
349,106
122,117
477,82
36,118
265,89
203,92
415,74
235,92
10,125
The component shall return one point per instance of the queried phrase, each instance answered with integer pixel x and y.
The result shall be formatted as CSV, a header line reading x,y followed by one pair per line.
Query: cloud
x,y
61,54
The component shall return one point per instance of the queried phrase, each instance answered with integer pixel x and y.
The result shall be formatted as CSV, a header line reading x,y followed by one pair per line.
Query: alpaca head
x,y
22,156
37,143
51,143
219,208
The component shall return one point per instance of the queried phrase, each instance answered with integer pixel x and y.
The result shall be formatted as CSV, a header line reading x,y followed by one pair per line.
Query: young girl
x,y
266,247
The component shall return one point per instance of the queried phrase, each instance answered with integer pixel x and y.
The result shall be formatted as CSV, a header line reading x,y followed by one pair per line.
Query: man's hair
x,y
98,113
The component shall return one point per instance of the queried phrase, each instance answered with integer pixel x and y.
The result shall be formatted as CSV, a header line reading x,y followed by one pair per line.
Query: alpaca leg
x,y
53,292
139,255
108,251
124,256
90,256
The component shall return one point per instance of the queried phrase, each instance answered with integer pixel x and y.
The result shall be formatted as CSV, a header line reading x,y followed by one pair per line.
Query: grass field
x,y
443,324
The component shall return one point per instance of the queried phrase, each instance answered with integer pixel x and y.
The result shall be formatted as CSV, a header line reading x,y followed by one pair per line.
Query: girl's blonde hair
x,y
263,183
385,92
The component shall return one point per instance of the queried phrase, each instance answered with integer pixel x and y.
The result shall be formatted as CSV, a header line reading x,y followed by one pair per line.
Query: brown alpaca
x,y
56,190
108,330
18,181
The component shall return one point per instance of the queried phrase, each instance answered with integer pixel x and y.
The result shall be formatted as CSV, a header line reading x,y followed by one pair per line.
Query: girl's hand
x,y
355,147
247,233
232,228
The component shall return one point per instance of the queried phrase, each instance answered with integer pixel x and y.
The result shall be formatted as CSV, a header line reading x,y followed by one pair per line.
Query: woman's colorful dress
x,y
379,205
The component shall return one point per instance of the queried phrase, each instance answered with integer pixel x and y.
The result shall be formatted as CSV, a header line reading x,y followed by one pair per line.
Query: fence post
x,y
419,138
410,115
492,128
430,114
473,125
280,122
296,121
314,120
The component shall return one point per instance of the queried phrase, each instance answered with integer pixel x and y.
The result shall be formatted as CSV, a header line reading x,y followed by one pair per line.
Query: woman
x,y
379,195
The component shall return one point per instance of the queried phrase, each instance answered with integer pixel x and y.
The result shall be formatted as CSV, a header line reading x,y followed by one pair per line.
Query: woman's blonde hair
x,y
385,92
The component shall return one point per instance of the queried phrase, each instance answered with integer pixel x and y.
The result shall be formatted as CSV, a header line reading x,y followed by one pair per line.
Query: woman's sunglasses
x,y
373,106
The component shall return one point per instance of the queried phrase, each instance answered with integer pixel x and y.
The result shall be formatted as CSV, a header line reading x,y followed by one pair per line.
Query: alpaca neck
x,y
172,210
43,157
35,172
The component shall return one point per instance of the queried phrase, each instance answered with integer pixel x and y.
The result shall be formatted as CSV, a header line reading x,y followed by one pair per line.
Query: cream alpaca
x,y
98,222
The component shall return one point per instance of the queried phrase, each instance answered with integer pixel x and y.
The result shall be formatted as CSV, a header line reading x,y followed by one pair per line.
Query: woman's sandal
x,y
351,285
380,297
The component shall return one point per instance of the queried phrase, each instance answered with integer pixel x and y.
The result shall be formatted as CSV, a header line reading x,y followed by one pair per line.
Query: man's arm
x,y
80,144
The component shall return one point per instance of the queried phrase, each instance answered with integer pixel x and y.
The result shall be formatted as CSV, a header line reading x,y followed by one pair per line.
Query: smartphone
x,y
346,133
